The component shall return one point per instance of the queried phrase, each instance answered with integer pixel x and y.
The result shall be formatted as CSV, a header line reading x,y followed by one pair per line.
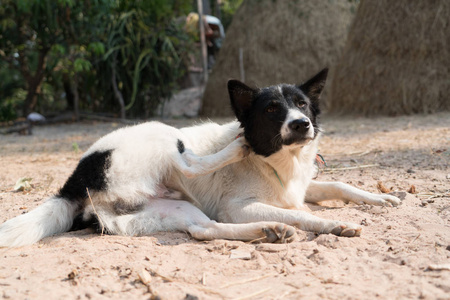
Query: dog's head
x,y
280,115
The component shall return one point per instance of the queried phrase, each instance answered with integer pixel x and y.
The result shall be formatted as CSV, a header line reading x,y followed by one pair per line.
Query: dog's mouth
x,y
299,141
299,138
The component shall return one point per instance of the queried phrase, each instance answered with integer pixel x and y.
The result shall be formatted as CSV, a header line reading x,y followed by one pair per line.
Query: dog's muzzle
x,y
300,126
299,131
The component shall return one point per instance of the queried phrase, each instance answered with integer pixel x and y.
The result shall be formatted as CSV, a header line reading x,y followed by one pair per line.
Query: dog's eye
x,y
301,104
271,109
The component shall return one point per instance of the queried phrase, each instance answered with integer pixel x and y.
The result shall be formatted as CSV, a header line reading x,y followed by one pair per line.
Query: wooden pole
x,y
241,64
203,40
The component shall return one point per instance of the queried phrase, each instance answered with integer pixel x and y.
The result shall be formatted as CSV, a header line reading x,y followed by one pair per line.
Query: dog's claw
x,y
392,200
280,233
380,200
345,230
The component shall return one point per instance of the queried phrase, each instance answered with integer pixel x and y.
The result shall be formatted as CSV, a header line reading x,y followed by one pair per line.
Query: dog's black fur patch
x,y
121,207
262,112
92,222
180,146
90,173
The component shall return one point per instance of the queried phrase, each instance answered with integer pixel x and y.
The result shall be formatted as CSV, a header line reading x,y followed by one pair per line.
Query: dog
x,y
245,180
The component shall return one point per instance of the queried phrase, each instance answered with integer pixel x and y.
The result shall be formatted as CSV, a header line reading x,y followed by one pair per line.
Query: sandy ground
x,y
395,257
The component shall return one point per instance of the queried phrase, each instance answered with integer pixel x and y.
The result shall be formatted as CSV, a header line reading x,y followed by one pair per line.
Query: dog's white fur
x,y
217,178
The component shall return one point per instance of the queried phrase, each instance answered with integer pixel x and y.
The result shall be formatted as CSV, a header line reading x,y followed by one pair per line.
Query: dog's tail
x,y
56,215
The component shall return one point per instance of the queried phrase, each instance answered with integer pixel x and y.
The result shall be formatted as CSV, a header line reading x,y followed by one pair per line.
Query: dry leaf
x,y
382,188
73,274
412,189
23,184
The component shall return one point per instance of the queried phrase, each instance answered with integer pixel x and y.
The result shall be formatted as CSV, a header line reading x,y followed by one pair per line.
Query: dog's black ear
x,y
241,97
314,86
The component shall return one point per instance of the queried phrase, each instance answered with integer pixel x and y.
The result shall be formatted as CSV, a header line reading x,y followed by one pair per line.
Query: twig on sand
x,y
283,296
443,267
95,212
209,291
204,278
245,281
254,294
160,275
257,240
415,239
433,195
329,170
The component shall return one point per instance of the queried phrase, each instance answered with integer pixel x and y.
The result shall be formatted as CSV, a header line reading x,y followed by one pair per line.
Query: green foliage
x,y
51,50
75,147
7,111
11,92
146,48
228,9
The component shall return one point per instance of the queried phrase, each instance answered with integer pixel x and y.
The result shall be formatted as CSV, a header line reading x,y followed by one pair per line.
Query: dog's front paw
x,y
189,157
346,229
389,200
380,200
279,233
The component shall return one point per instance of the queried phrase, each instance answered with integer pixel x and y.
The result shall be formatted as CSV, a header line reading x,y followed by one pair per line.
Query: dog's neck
x,y
289,161
289,172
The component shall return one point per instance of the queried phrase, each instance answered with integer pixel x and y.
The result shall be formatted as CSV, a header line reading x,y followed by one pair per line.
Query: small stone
x,y
240,254
190,297
145,277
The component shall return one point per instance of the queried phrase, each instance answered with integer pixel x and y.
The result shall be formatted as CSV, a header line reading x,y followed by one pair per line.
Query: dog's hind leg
x,y
192,165
175,215
320,191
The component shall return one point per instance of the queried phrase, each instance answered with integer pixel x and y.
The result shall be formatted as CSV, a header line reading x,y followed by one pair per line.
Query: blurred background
x,y
130,59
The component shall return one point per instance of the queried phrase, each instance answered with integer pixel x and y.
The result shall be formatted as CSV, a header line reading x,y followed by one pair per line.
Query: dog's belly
x,y
205,192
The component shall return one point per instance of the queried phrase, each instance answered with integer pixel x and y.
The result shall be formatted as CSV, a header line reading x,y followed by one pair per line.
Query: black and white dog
x,y
251,176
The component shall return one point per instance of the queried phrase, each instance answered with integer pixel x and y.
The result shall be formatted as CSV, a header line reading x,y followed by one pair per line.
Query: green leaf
x,y
81,64
97,48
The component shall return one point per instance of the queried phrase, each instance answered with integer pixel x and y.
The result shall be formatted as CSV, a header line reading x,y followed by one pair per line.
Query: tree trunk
x,y
117,93
76,97
33,91
68,90
34,81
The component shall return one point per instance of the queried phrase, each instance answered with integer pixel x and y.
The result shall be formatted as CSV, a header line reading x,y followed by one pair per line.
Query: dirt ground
x,y
403,252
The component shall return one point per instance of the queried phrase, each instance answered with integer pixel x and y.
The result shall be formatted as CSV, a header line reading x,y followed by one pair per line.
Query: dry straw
x,y
396,60
279,41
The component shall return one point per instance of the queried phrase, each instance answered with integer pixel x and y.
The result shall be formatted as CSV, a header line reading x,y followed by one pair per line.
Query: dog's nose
x,y
300,125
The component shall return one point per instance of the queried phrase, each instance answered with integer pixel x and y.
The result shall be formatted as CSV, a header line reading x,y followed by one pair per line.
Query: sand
x,y
403,252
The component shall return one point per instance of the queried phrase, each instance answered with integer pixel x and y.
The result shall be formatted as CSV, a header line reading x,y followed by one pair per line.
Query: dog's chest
x,y
289,194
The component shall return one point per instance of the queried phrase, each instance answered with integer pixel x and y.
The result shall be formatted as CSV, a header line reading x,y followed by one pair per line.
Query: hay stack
x,y
396,60
282,41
